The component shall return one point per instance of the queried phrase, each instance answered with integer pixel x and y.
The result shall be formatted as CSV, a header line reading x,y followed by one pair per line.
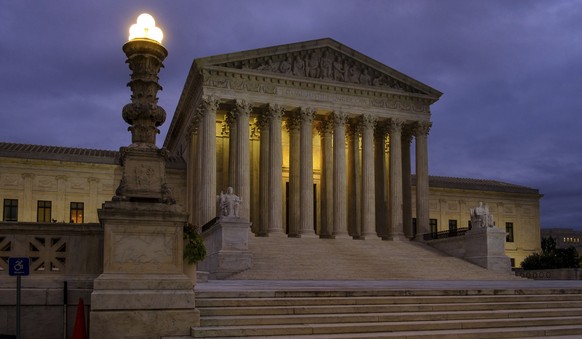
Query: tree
x,y
552,257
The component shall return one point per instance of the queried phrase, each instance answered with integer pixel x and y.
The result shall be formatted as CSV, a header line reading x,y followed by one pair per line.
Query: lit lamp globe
x,y
145,55
145,28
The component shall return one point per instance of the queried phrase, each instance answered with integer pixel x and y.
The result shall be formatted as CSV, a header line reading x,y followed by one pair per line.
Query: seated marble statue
x,y
480,216
229,204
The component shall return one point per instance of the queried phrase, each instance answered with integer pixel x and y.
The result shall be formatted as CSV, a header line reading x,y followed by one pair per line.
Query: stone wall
x,y
59,253
557,274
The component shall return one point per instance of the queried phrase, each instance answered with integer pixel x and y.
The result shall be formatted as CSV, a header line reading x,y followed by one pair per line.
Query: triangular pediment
x,y
320,60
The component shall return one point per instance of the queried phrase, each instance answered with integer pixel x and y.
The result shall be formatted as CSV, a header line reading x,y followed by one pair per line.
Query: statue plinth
x,y
485,243
227,248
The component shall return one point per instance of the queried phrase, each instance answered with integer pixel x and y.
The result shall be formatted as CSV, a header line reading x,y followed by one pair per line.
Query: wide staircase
x,y
342,288
390,314
346,259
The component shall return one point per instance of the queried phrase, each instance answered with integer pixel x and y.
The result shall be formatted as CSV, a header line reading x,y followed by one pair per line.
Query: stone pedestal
x,y
143,292
227,248
485,246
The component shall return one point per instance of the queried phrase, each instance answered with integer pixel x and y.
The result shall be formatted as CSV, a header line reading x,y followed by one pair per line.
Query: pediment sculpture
x,y
322,63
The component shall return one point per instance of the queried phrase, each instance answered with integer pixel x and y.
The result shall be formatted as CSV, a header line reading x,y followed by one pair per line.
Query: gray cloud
x,y
510,71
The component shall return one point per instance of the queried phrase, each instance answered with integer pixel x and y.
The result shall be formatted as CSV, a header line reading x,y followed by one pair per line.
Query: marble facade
x,y
284,97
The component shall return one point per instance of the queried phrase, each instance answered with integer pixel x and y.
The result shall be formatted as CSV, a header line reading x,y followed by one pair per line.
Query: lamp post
x,y
142,291
144,176
145,55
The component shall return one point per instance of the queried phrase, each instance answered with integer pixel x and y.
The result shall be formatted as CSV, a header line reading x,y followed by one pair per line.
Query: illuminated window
x,y
10,210
43,211
77,212
509,231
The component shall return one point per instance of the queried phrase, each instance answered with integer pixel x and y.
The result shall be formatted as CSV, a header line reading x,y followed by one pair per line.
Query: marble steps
x,y
522,314
324,259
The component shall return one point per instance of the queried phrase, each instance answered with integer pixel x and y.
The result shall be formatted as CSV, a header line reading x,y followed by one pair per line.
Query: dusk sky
x,y
510,71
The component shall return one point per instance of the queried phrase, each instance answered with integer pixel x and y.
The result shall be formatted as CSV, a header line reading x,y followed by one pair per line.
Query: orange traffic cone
x,y
79,331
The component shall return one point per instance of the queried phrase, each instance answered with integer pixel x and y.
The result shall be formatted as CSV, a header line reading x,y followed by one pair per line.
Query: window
x,y
453,227
509,231
77,212
43,211
433,226
512,260
10,210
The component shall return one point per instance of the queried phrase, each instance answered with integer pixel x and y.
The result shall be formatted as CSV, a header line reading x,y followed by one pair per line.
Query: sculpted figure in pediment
x,y
326,66
269,66
365,78
298,66
313,65
285,66
338,69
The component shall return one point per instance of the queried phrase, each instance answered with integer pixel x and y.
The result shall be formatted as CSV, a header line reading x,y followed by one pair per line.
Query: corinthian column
x,y
306,172
232,140
353,172
325,131
207,109
293,124
380,186
422,216
275,172
243,169
194,168
340,202
406,182
263,124
395,130
368,209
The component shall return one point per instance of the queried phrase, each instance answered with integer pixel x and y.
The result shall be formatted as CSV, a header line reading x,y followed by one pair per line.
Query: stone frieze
x,y
266,88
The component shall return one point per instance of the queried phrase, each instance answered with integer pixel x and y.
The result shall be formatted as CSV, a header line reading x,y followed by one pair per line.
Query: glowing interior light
x,y
145,28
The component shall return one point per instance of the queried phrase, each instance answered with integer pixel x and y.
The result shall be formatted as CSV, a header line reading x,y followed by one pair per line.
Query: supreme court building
x,y
315,137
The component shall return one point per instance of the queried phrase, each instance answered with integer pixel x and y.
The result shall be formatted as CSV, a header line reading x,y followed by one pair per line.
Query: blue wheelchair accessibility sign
x,y
19,266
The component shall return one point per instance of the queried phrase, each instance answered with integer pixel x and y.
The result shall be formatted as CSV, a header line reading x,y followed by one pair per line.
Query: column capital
x,y
292,122
275,112
263,120
339,118
422,128
325,126
194,123
242,107
208,104
306,114
27,176
367,121
395,125
407,133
